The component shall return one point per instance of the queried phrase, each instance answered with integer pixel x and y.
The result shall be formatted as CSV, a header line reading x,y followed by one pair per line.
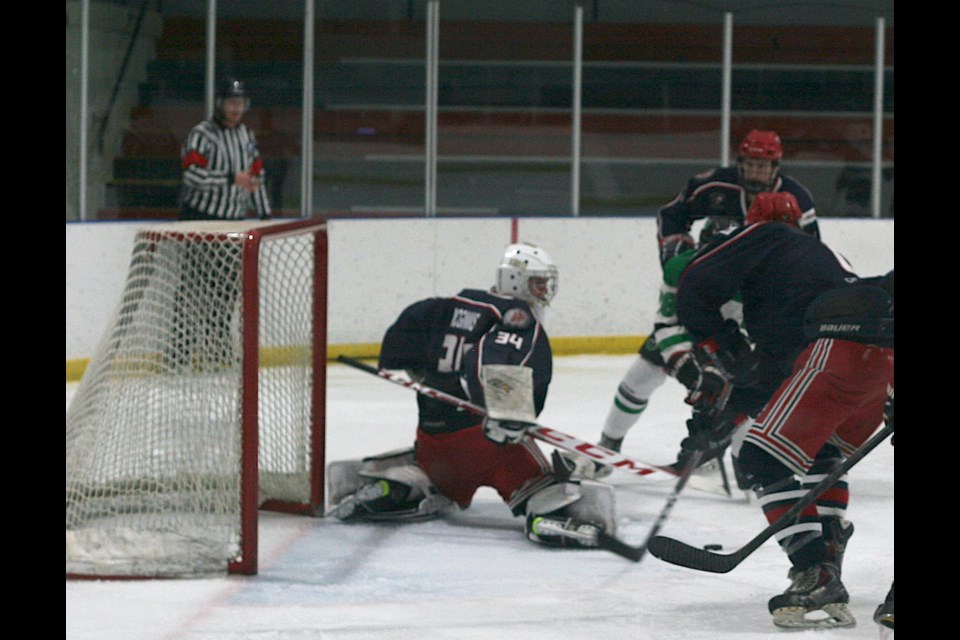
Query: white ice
x,y
473,576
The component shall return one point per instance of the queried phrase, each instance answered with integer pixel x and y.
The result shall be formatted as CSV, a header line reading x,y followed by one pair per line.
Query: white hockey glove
x,y
504,431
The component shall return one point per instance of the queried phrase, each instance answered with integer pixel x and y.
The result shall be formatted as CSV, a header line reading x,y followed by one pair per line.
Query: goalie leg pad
x,y
596,505
553,498
342,479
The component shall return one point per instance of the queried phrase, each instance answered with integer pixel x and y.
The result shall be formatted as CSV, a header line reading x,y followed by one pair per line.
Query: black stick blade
x,y
684,555
619,547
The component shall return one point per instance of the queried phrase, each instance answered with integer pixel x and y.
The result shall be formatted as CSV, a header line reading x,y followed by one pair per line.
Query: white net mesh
x,y
154,455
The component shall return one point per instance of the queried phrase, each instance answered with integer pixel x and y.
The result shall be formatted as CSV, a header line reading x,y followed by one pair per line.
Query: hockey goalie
x,y
491,349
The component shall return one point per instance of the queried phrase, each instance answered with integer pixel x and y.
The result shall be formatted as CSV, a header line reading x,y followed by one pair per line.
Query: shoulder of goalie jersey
x,y
514,313
518,317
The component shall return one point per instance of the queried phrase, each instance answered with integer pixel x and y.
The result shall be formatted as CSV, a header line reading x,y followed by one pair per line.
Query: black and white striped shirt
x,y
210,157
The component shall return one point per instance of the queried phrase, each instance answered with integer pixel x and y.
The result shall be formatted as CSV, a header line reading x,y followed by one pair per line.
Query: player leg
x,y
558,512
633,393
785,447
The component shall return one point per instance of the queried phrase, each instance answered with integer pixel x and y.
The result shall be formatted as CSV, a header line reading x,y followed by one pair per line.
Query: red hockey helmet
x,y
762,145
780,206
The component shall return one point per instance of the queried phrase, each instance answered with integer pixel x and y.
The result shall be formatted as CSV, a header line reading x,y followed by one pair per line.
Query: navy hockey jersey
x,y
778,271
443,342
718,193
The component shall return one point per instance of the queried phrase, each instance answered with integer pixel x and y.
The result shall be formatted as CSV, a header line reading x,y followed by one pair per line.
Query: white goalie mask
x,y
528,273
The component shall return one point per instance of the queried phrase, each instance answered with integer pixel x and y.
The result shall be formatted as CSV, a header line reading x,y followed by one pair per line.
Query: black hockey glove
x,y
708,434
707,384
504,431
731,350
674,245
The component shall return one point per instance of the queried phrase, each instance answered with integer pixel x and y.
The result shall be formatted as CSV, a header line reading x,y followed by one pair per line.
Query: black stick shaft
x,y
684,555
636,554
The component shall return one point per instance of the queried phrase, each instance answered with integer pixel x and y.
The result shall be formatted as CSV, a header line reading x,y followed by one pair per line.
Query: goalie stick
x,y
685,555
551,436
621,548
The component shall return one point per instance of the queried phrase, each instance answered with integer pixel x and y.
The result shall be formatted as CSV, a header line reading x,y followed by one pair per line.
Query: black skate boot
x,y
836,534
883,616
817,589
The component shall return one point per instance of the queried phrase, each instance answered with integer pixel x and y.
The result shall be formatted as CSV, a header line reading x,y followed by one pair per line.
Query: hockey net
x,y
203,402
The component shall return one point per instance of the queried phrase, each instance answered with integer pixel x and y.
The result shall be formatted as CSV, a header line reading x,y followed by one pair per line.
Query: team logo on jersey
x,y
517,317
716,200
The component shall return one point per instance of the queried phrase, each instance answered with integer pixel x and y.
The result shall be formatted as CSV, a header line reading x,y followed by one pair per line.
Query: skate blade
x,y
831,616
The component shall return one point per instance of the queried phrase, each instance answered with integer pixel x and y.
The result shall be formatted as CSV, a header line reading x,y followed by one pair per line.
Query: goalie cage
x,y
203,402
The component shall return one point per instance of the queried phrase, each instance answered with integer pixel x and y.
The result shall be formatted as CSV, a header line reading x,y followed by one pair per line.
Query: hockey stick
x,y
551,436
684,555
621,548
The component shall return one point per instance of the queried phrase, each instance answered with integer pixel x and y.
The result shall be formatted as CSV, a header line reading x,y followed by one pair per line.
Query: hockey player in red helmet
x,y
775,207
729,192
758,160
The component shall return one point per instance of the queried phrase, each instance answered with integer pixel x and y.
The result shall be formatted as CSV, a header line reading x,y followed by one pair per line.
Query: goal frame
x,y
254,233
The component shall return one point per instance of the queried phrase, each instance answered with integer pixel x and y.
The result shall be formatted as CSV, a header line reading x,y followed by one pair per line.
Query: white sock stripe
x,y
800,527
780,496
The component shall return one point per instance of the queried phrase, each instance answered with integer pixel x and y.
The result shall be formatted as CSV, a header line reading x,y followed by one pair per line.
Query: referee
x,y
223,176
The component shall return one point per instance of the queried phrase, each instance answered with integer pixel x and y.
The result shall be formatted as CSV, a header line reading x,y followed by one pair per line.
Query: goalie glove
x,y
504,431
707,384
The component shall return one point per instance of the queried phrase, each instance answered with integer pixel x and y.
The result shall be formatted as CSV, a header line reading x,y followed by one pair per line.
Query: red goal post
x,y
203,403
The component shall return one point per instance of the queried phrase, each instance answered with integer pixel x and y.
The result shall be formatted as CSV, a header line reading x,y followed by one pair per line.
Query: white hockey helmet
x,y
528,273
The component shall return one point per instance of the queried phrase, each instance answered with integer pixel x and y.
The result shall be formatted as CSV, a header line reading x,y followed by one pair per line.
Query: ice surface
x,y
473,575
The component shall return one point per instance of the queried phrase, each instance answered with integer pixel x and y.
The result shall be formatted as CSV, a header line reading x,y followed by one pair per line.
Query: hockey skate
x,y
883,616
815,599
570,514
369,499
561,532
836,534
389,500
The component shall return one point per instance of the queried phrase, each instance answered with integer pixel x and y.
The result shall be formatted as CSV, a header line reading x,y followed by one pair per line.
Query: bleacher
x,y
641,86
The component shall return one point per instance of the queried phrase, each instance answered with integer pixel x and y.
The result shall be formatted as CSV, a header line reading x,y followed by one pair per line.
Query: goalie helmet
x,y
780,206
528,273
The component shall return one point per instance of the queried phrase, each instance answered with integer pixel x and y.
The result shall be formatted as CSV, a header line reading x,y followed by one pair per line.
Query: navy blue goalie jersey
x,y
443,342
